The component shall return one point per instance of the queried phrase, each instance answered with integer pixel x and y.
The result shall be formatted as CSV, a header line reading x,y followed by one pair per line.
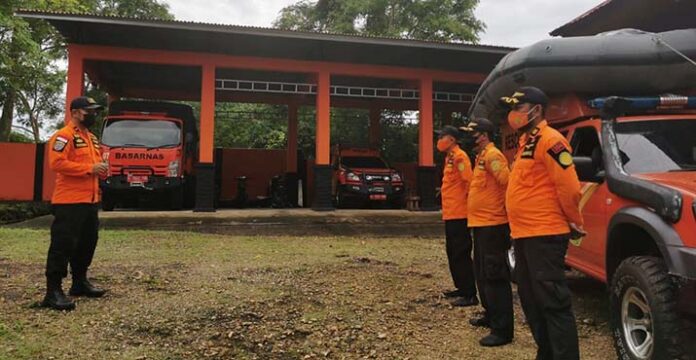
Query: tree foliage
x,y
443,20
31,52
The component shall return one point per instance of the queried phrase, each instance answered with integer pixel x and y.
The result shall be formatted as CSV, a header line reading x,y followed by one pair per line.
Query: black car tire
x,y
644,320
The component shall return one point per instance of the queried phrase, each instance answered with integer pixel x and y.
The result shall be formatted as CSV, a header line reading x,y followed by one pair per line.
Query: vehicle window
x,y
584,142
657,146
370,162
141,133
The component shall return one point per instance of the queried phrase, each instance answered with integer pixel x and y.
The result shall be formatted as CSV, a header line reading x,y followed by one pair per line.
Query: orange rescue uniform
x,y
543,193
455,184
487,191
72,154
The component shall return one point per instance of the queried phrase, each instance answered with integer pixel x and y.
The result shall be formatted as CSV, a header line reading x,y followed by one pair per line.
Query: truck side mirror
x,y
587,169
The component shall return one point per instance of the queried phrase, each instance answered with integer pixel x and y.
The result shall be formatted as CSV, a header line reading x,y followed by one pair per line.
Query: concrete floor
x,y
272,222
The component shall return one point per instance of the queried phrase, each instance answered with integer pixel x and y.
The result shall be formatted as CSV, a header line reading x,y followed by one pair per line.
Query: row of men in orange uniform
x,y
532,205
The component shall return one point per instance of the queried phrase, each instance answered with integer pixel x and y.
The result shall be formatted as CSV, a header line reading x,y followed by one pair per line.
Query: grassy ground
x,y
192,296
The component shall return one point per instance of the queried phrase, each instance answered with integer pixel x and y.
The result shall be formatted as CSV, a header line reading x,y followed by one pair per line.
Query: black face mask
x,y
89,119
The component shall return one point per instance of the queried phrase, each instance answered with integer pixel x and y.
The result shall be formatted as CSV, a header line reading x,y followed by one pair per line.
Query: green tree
x,y
31,84
443,20
253,126
144,9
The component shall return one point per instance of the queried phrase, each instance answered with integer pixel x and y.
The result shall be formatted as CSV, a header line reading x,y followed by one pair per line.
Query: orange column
x,y
375,131
323,135
207,114
291,155
76,78
425,124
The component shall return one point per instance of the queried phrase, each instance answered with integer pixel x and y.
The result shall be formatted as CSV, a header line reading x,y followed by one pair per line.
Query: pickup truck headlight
x,y
352,177
396,177
173,168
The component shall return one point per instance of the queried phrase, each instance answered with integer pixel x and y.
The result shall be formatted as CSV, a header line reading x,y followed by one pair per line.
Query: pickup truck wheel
x,y
644,322
511,262
397,202
340,200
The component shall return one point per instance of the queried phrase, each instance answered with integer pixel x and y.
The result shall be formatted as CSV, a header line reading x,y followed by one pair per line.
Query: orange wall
x,y
17,167
49,178
258,165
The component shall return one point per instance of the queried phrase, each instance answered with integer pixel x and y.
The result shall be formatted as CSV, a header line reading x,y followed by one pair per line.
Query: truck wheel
x,y
644,322
340,200
177,198
397,202
107,202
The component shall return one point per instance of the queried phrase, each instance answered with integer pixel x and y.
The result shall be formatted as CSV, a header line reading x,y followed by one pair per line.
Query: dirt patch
x,y
227,297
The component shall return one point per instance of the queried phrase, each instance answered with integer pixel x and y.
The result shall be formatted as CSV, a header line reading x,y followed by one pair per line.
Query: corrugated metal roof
x,y
255,30
559,31
646,15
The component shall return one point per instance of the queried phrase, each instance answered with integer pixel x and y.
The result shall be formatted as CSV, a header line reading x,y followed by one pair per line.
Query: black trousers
x,y
545,297
458,245
74,235
491,244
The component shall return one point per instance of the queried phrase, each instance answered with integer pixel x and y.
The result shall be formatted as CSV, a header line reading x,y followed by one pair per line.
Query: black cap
x,y
526,94
480,125
84,102
449,130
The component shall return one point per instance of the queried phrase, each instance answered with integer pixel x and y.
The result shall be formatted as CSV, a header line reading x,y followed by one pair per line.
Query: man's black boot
x,y
452,293
480,322
495,340
465,301
82,287
55,297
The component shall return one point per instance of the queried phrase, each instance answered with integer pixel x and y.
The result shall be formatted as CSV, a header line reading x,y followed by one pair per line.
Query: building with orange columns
x,y
176,60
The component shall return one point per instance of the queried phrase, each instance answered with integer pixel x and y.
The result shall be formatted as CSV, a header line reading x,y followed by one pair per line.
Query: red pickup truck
x,y
362,178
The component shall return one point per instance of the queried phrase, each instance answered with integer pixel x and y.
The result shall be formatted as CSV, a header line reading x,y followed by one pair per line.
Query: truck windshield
x,y
657,146
141,133
369,162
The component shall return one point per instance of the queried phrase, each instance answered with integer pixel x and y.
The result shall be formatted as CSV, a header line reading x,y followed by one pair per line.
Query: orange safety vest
x,y
487,190
543,194
455,184
72,154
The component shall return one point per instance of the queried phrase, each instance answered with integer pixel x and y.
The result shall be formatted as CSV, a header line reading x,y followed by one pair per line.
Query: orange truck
x,y
634,149
150,148
636,159
361,178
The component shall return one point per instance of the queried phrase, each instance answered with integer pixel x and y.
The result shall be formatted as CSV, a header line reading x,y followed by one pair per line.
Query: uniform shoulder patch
x,y
560,153
461,166
496,165
559,147
59,143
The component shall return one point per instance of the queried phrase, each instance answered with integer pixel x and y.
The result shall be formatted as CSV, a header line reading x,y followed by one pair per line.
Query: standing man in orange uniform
x,y
75,156
542,200
489,227
455,190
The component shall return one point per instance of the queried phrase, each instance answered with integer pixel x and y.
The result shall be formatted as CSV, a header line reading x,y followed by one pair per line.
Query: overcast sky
x,y
509,22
